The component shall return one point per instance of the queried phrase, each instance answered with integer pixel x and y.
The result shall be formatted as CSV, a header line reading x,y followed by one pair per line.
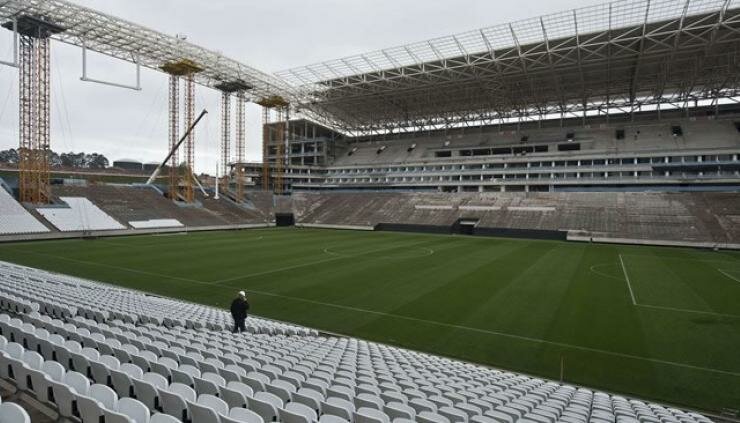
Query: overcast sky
x,y
268,35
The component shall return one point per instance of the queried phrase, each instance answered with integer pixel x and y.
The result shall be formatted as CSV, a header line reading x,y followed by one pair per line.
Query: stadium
x,y
535,222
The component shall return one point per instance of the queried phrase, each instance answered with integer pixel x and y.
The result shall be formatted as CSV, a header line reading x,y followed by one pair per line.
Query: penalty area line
x,y
627,278
728,275
495,333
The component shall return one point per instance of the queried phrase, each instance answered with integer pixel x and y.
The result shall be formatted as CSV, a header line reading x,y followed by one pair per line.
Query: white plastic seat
x,y
207,409
184,374
13,413
232,372
370,415
173,400
98,398
422,405
51,371
338,407
368,400
453,415
209,383
134,409
64,353
308,397
399,410
123,378
340,391
31,363
163,366
244,415
328,418
100,369
266,405
297,413
235,395
65,392
144,359
163,418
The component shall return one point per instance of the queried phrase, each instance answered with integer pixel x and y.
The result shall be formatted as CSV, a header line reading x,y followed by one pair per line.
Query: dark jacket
x,y
239,308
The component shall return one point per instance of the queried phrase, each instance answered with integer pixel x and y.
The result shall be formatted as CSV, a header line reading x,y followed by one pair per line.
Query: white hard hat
x,y
242,294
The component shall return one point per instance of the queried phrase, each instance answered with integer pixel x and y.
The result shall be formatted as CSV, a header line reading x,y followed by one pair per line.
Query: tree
x,y
71,159
9,156
54,159
96,161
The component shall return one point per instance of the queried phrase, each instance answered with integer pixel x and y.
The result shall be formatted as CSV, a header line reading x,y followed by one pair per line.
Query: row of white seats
x,y
73,296
80,215
155,223
57,372
14,219
344,378
341,402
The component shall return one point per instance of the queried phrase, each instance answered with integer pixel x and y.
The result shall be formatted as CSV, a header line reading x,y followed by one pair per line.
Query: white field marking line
x,y
627,278
496,333
708,260
685,310
111,266
728,275
429,252
297,266
606,275
432,322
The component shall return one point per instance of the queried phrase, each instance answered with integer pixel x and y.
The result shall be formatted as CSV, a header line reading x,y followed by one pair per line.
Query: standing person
x,y
239,308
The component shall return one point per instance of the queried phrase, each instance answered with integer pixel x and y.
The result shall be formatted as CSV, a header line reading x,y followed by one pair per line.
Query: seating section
x,y
155,223
127,203
14,219
107,354
81,215
697,217
66,296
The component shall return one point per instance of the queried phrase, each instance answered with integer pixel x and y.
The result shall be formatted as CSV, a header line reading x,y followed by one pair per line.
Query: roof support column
x,y
34,70
240,145
182,69
225,139
174,135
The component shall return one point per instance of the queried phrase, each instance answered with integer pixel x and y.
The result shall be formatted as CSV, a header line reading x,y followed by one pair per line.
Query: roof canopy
x,y
614,57
128,41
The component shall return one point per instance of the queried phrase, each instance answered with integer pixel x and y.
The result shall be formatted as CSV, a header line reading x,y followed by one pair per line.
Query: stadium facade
x,y
629,96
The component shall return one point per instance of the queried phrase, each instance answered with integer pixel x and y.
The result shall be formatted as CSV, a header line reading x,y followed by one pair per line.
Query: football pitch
x,y
658,323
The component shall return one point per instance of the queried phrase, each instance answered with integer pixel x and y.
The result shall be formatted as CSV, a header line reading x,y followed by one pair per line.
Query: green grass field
x,y
659,323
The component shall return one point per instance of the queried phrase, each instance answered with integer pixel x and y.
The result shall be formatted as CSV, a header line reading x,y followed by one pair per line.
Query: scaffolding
x,y
279,141
273,139
225,139
174,134
240,146
265,148
228,88
188,183
182,186
34,65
